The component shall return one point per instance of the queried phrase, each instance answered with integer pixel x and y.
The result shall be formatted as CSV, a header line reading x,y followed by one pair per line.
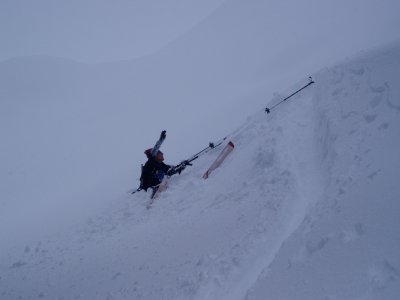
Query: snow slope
x,y
72,137
78,128
348,245
305,207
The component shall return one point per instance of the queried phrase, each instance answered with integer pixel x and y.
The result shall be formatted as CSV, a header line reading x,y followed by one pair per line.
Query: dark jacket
x,y
153,172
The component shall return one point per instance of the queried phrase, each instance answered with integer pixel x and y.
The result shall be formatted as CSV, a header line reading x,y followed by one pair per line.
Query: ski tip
x,y
231,144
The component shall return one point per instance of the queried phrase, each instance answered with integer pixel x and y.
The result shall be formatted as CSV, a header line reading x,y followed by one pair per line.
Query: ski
x,y
218,161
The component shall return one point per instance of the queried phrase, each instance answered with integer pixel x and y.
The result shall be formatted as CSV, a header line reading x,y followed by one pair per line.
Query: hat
x,y
148,152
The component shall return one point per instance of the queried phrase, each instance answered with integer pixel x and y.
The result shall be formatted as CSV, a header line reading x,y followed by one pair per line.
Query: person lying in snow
x,y
155,169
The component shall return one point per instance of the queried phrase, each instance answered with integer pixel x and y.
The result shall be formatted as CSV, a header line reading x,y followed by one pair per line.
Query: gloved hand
x,y
163,135
180,169
186,163
177,169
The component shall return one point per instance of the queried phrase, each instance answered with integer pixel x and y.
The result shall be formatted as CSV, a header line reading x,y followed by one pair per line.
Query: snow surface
x,y
305,207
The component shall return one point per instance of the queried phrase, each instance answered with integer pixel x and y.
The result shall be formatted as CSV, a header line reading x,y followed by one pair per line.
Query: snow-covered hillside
x,y
305,207
348,245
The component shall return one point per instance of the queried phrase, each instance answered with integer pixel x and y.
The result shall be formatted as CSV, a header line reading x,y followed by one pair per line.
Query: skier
x,y
155,169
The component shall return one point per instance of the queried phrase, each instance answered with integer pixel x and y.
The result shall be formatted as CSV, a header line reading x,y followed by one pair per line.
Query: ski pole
x,y
203,151
311,81
209,147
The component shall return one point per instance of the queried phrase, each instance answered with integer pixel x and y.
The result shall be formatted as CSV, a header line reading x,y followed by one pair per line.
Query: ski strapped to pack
x,y
311,81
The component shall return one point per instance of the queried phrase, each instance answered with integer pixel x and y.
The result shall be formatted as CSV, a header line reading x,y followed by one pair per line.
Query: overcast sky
x,y
106,30
95,30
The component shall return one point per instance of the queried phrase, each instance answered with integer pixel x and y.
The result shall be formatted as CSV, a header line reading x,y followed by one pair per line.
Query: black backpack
x,y
146,179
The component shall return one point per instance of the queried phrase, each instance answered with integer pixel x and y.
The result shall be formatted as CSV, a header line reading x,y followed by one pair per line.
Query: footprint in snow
x,y
376,100
370,118
306,251
381,274
315,246
377,90
357,71
18,264
353,233
383,126
392,105
374,174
